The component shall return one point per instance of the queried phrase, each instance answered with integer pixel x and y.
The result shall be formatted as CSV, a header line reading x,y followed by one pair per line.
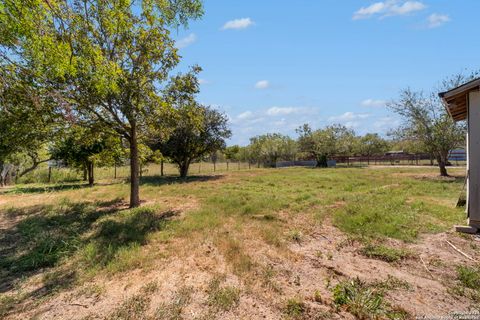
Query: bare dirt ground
x,y
314,264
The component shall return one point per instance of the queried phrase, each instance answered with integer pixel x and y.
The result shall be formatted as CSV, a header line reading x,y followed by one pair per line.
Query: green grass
x,y
64,227
222,298
295,308
385,253
365,301
469,282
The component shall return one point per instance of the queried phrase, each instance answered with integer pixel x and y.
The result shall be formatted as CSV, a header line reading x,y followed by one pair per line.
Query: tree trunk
x,y
91,179
134,168
115,171
161,168
183,167
2,180
85,172
322,161
49,174
442,164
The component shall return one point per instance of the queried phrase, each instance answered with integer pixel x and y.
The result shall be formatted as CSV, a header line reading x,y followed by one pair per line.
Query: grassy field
x,y
292,243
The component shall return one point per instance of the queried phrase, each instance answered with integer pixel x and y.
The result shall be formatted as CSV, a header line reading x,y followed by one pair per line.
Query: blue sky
x,y
273,65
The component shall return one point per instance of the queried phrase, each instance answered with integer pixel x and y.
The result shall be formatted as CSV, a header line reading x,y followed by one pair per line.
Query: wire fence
x,y
44,174
58,175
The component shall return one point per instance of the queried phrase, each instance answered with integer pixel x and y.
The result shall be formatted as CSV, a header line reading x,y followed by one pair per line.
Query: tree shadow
x,y
47,237
49,188
166,180
44,189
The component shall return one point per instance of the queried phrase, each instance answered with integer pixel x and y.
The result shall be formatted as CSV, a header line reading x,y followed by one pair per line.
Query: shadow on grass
x,y
46,238
43,189
159,180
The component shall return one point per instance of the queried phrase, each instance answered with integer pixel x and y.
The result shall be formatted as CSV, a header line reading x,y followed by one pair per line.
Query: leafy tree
x,y
232,152
26,121
372,144
103,59
198,131
82,148
427,122
271,147
324,143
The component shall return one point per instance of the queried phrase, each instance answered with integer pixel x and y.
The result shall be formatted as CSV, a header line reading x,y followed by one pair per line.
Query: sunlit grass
x,y
70,229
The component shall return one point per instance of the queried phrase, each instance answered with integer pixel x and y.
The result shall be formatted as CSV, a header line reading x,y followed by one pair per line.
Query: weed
x,y
392,283
268,279
222,298
469,283
7,303
135,307
385,253
295,308
173,310
360,300
295,235
469,277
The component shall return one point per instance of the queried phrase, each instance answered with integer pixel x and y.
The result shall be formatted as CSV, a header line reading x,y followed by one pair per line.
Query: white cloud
x,y
435,20
185,42
389,8
203,81
374,103
275,111
349,116
262,84
245,115
238,24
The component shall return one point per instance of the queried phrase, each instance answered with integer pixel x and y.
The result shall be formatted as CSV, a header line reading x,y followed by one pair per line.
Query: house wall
x,y
473,162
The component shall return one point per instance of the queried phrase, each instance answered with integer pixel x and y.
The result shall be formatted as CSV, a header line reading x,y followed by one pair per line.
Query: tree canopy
x,y
103,60
428,124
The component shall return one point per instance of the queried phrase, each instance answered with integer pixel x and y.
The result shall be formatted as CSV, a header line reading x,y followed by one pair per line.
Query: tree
x,y
271,147
104,59
372,144
198,131
324,143
427,122
26,121
232,152
82,148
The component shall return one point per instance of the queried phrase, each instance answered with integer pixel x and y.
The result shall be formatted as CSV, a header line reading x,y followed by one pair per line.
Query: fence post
x,y
227,165
199,166
238,164
49,174
161,167
115,171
